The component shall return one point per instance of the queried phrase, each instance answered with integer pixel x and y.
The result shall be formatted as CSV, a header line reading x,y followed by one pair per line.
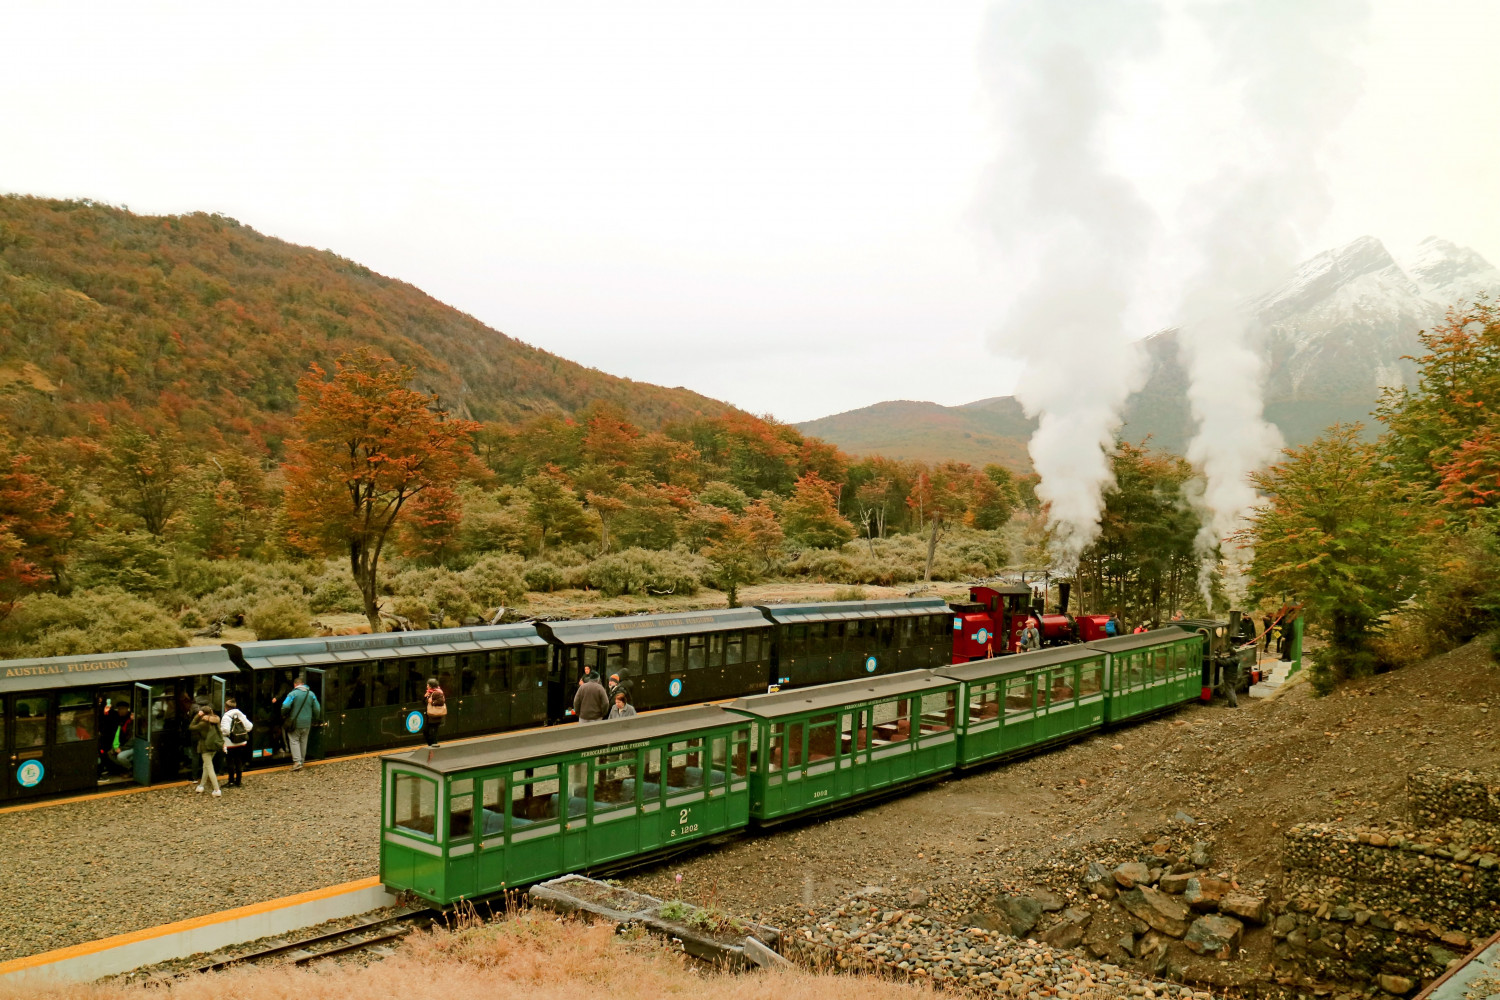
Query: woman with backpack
x,y
209,741
437,709
236,726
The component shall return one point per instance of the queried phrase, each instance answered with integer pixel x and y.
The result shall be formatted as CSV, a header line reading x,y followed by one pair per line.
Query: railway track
x,y
371,934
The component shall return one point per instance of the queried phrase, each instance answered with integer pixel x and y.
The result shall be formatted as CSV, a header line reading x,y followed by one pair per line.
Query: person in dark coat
x,y
591,703
620,685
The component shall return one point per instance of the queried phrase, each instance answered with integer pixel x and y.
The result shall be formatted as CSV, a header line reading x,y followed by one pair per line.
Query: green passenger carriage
x,y
839,742
475,819
1152,671
1019,703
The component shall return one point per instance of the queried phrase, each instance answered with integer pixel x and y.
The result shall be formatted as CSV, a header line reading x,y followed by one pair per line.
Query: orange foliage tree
x,y
368,446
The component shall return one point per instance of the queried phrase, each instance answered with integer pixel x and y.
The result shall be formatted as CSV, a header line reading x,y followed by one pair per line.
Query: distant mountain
x,y
990,430
204,324
1333,336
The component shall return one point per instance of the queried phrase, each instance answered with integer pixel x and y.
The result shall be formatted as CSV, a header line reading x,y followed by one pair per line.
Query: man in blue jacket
x,y
299,711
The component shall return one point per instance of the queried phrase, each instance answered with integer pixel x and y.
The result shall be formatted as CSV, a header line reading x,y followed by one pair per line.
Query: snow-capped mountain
x,y
1332,337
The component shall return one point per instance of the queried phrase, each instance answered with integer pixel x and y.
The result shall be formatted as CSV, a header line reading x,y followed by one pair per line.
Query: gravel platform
x,y
79,871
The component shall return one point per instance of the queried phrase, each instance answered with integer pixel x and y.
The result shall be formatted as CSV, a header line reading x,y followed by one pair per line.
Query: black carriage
x,y
61,715
842,640
372,687
670,659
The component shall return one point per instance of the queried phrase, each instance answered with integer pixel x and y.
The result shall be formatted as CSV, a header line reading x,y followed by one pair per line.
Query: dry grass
x,y
529,957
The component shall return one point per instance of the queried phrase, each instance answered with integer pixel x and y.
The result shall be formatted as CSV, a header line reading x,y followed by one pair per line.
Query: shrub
x,y
280,617
495,581
413,609
337,594
643,571
130,560
849,594
544,577
92,621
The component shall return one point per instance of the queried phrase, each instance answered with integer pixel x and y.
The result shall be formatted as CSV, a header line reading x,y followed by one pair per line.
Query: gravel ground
x,y
79,871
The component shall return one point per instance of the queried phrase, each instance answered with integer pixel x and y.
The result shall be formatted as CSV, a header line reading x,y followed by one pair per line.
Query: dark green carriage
x,y
840,742
461,822
1016,703
845,640
1151,671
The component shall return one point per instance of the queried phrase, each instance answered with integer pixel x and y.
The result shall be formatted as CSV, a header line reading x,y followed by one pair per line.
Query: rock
x,y
1155,875
1068,932
1098,880
1377,840
1152,951
1162,912
1131,874
1184,818
1177,882
917,897
1285,924
1203,893
1456,939
1340,913
1127,944
1199,855
1020,912
1252,907
1399,985
1381,922
1214,935
1440,956
761,954
1051,901
984,921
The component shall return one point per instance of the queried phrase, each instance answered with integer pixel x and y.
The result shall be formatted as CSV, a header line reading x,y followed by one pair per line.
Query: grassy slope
x,y
990,430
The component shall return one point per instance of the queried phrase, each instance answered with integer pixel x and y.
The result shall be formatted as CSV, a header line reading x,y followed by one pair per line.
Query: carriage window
x,y
1062,685
889,723
821,738
1020,695
416,679
656,656
414,805
533,798
734,648
796,640
906,630
653,774
835,636
356,687
739,757
984,701
937,711
716,650
499,668
493,810
853,631
685,766
469,673
614,661
635,661
75,717
1091,680
31,721
753,644
616,777
777,752
461,809
677,648
817,639
885,633
1137,671
720,769
695,652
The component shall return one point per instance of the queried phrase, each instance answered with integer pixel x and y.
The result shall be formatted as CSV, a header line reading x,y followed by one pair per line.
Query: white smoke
x,y
1286,60
1078,235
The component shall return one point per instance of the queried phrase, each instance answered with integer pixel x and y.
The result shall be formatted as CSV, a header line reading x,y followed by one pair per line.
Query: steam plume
x,y
1051,66
1296,86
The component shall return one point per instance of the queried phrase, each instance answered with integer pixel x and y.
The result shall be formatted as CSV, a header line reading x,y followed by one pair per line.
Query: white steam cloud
x,y
1295,86
1079,229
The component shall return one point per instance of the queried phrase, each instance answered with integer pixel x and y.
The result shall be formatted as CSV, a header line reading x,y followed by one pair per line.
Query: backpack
x,y
237,730
437,703
213,739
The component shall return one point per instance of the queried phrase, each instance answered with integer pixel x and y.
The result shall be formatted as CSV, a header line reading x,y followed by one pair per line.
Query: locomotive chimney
x,y
1064,588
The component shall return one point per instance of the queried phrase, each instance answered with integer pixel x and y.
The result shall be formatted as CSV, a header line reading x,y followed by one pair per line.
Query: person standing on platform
x,y
235,728
209,741
299,710
591,703
436,712
623,709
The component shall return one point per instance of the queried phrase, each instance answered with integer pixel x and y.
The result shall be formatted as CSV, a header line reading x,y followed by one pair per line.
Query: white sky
x,y
773,204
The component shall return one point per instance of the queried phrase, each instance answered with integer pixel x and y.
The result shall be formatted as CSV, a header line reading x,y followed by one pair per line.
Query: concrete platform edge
x,y
125,952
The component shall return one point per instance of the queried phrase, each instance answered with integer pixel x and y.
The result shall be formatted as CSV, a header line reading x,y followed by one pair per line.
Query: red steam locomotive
x,y
993,620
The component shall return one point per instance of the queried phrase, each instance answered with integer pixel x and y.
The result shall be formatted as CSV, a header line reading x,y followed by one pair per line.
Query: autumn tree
x,y
945,495
1335,534
554,509
368,446
35,517
734,554
811,516
226,506
143,476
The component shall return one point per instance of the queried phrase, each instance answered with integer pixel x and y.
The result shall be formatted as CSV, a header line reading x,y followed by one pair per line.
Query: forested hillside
x,y
201,324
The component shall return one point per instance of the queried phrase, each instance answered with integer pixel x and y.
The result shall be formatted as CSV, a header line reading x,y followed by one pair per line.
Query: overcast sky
x,y
779,205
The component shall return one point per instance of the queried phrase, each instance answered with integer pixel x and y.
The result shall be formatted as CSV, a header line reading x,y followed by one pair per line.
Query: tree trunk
x,y
732,591
363,568
932,541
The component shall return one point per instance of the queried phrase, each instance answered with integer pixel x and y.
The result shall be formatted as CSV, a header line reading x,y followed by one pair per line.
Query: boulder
x,y
1215,936
1151,950
1176,883
1200,855
984,921
1162,912
1203,893
1249,906
1019,913
1051,901
1399,985
1098,880
1068,932
1131,874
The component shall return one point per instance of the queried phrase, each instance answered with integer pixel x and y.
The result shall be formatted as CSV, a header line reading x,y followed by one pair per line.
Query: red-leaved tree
x,y
368,445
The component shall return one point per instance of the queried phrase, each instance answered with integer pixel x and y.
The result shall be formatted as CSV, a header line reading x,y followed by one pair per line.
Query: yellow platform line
x,y
192,923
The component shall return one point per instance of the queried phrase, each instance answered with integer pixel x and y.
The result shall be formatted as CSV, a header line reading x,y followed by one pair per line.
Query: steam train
x,y
992,621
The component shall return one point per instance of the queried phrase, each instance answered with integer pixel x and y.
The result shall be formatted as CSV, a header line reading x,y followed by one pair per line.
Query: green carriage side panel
x,y
1150,671
1016,703
467,821
818,748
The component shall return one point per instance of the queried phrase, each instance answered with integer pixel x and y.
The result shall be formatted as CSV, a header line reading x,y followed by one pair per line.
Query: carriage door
x,y
316,737
140,735
217,689
23,734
